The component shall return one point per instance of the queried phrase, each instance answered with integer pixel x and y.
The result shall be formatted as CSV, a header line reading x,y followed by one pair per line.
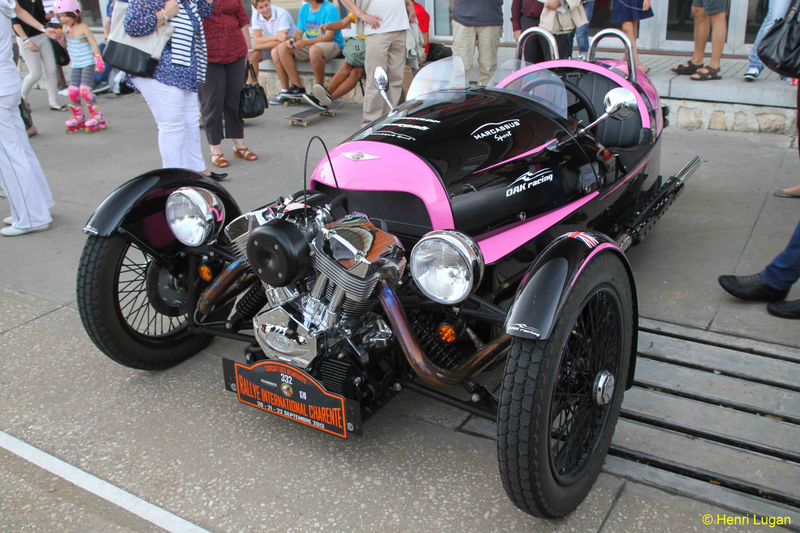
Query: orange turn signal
x,y
447,333
205,273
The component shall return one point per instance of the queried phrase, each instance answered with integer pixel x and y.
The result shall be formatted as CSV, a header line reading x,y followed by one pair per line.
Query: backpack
x,y
355,52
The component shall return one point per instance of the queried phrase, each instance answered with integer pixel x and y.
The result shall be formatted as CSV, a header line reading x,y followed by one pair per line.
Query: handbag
x,y
779,50
60,53
138,56
253,100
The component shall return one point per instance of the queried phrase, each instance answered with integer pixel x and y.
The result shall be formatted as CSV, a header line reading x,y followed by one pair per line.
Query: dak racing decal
x,y
528,180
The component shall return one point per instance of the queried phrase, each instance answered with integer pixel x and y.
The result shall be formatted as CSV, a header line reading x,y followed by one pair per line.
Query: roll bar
x,y
602,34
544,33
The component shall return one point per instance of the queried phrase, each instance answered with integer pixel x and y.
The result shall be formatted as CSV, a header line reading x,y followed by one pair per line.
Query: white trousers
x,y
177,114
34,61
20,171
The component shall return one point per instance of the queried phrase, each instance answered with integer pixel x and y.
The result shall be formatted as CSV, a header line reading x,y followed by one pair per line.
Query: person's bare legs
x,y
348,84
339,78
702,27
289,65
719,32
256,57
317,58
282,75
631,30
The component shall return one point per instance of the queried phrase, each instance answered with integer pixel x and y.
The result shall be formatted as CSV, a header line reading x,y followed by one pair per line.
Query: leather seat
x,y
611,133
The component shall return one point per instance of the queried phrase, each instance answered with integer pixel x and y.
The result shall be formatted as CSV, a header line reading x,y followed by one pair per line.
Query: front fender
x,y
138,207
544,290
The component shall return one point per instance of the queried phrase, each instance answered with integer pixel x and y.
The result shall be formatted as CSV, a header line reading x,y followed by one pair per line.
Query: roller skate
x,y
78,120
96,120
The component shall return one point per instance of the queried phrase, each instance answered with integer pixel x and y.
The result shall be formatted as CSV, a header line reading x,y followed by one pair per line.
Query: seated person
x,y
346,79
424,21
308,43
271,25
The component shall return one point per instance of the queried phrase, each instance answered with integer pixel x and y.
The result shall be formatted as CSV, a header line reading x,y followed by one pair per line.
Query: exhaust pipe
x,y
424,367
221,286
688,169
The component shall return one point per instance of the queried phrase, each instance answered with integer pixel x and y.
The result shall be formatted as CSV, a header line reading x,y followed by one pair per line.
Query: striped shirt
x,y
281,20
80,52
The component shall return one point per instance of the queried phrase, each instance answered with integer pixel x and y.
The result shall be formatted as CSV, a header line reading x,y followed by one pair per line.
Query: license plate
x,y
286,391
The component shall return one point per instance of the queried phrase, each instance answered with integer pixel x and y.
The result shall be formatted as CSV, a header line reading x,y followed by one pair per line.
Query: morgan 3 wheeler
x,y
469,228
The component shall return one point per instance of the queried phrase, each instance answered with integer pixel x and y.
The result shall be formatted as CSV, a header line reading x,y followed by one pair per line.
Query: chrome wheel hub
x,y
603,387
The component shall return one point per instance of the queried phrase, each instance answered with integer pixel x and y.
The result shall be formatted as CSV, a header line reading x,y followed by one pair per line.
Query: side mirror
x,y
620,103
381,81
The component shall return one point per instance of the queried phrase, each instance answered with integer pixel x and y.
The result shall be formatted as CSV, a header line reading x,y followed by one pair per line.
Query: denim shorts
x,y
711,7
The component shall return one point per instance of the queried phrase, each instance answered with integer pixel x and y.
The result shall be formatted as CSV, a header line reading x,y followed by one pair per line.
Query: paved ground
x,y
177,440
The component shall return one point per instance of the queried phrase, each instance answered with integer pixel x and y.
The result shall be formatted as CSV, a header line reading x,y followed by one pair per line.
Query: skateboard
x,y
303,117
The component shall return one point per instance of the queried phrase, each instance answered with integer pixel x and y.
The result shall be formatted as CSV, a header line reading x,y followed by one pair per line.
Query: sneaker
x,y
64,92
280,99
322,95
581,56
8,221
295,92
15,232
313,101
752,73
101,88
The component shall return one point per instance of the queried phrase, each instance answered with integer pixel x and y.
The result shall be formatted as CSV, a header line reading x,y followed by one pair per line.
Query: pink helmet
x,y
66,6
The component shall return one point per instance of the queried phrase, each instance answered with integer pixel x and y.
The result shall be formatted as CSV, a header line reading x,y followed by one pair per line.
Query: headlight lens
x,y
194,215
447,266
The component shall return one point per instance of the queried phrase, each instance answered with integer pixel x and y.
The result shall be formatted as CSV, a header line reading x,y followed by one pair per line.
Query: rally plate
x,y
286,391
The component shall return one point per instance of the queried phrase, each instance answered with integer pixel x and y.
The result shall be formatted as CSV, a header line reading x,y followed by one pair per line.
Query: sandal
x,y
706,74
58,108
686,69
218,160
245,154
780,193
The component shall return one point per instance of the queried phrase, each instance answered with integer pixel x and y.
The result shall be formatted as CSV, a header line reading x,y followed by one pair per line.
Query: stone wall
x,y
694,115
269,80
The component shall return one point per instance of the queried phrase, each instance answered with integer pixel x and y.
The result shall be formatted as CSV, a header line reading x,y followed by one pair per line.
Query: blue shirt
x,y
309,21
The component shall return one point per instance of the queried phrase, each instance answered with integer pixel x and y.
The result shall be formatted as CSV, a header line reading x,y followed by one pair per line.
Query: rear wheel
x,y
132,307
561,397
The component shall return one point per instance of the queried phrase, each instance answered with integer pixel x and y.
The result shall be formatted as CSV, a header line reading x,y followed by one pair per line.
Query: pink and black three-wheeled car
x,y
470,227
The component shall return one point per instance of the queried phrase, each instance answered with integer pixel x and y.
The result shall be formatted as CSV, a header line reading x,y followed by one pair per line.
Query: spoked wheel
x,y
132,307
561,397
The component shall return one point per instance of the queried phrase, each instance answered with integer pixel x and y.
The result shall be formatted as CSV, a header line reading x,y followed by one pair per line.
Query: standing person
x,y
581,33
385,25
171,92
37,50
777,9
561,24
272,25
424,21
709,17
308,43
20,172
629,13
478,22
526,14
228,39
84,57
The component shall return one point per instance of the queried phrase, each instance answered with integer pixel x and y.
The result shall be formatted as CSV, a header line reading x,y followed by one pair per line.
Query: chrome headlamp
x,y
447,266
194,215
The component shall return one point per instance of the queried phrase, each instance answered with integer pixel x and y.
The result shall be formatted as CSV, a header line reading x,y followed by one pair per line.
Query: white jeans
x,y
20,171
34,61
177,114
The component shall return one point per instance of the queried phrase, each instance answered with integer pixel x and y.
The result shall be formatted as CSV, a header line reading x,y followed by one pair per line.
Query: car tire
x,y
98,297
529,442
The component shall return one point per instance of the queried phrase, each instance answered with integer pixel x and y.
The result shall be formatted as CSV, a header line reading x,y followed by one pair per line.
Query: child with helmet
x,y
85,57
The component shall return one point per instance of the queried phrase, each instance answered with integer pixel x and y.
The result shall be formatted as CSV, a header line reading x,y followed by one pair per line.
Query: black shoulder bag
x,y
60,53
779,50
253,101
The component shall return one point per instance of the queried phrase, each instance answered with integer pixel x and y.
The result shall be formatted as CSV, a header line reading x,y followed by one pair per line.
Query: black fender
x,y
138,207
548,282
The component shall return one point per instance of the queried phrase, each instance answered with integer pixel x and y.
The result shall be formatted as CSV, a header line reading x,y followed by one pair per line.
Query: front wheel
x,y
561,397
133,308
